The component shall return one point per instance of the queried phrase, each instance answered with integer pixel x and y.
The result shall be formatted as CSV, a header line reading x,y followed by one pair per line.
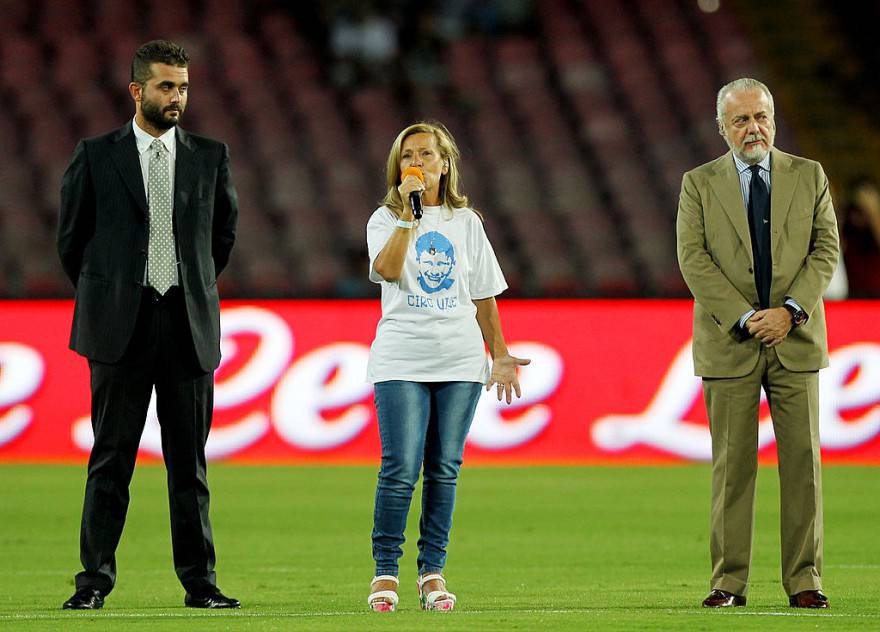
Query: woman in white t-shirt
x,y
439,279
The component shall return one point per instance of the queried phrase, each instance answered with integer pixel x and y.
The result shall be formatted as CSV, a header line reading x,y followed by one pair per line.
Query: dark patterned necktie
x,y
162,262
759,228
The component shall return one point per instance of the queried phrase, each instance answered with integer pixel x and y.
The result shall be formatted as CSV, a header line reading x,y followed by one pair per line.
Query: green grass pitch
x,y
537,548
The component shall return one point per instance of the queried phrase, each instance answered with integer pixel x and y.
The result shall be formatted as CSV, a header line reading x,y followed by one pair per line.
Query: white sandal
x,y
376,600
441,600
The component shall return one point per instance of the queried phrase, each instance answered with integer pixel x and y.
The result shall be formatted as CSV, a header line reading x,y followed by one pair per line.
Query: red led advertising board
x,y
609,382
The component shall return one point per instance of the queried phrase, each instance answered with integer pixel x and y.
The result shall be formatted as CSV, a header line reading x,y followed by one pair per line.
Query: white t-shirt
x,y
429,331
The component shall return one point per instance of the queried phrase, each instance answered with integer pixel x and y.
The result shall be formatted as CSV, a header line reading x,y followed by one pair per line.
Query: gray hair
x,y
742,84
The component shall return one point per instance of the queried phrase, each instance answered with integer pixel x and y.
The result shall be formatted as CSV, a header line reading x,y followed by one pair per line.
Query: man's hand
x,y
770,326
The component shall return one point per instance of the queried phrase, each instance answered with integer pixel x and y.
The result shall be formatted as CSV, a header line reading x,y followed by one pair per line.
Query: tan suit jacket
x,y
715,256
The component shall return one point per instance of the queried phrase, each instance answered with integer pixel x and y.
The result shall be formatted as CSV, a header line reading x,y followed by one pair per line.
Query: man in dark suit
x,y
147,222
757,245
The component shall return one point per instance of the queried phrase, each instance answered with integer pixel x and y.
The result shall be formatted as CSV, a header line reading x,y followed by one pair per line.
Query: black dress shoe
x,y
723,599
809,599
210,598
85,599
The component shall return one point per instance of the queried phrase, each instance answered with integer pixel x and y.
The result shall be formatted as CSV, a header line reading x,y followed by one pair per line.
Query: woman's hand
x,y
504,376
409,184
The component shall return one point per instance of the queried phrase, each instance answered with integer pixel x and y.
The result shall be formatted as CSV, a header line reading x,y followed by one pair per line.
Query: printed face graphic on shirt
x,y
436,258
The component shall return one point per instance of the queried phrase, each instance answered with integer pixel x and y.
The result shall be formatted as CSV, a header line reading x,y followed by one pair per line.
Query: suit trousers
x,y
732,404
161,355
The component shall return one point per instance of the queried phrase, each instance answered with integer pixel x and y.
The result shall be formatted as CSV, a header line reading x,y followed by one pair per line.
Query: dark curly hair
x,y
157,51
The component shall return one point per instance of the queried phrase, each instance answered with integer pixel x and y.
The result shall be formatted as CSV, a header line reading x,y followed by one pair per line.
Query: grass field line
x,y
53,616
57,616
772,613
848,615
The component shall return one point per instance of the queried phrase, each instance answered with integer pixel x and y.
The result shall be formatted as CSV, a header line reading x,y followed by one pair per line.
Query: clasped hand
x,y
770,326
505,378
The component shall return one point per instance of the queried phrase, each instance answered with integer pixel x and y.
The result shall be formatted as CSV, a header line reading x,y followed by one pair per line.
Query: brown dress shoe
x,y
723,599
808,599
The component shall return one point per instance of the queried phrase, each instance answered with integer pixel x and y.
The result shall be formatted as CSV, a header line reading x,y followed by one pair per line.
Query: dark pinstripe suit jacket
x,y
103,231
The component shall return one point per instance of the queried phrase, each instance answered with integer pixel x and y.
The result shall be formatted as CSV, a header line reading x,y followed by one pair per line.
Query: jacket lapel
x,y
725,183
125,157
783,180
184,171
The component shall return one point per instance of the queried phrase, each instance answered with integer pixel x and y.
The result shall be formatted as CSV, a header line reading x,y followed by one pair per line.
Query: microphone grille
x,y
412,171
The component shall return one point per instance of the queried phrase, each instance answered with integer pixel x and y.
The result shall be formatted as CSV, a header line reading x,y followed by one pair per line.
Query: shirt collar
x,y
144,140
742,166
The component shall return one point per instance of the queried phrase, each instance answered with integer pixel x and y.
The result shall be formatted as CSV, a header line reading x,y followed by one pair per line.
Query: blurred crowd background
x,y
576,120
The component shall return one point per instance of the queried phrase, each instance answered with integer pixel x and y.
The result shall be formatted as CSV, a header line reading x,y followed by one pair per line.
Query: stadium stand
x,y
577,119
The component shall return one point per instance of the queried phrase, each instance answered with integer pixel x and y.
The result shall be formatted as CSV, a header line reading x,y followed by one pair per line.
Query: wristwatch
x,y
798,316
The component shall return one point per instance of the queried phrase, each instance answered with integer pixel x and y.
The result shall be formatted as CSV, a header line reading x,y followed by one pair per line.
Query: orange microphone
x,y
415,197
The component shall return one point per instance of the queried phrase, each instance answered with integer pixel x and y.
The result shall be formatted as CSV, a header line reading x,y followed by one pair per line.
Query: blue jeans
x,y
419,422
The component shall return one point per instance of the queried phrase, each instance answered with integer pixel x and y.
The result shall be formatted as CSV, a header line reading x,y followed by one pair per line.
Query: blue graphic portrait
x,y
436,258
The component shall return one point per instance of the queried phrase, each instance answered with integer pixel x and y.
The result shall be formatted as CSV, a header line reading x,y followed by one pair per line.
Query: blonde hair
x,y
449,182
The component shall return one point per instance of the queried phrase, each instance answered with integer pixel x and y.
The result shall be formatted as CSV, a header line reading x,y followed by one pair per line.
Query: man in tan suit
x,y
757,245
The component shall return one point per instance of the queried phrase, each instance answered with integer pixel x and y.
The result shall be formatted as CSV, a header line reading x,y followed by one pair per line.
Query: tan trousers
x,y
732,404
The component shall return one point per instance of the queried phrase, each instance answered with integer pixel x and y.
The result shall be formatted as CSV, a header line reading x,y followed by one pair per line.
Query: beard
x,y
155,114
752,155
